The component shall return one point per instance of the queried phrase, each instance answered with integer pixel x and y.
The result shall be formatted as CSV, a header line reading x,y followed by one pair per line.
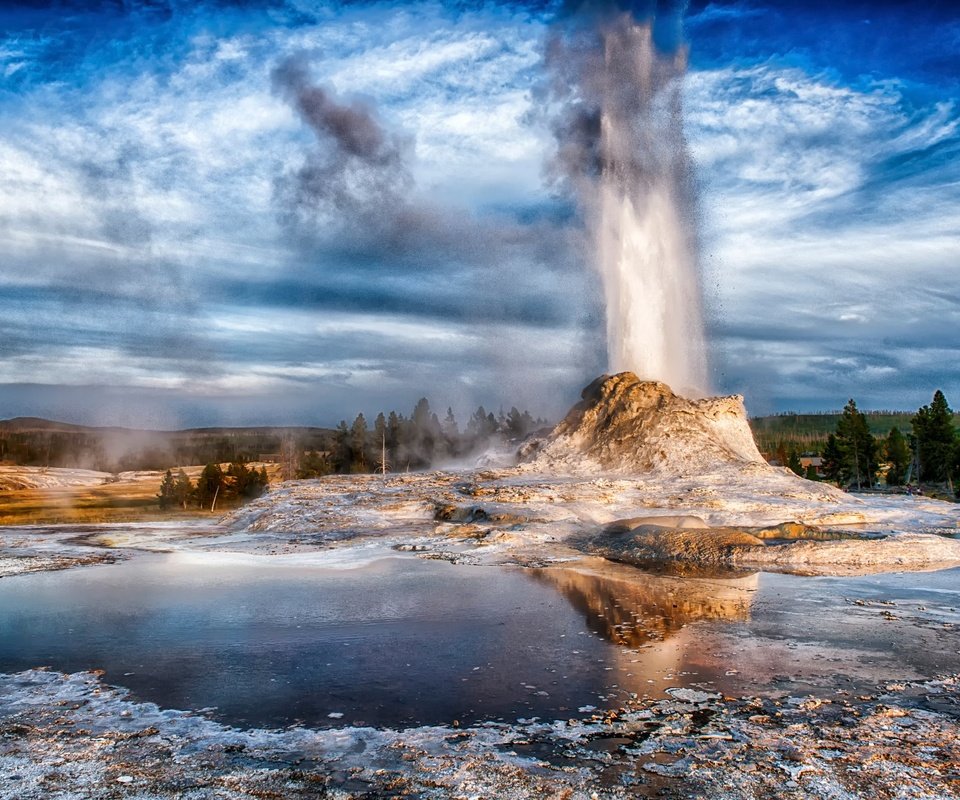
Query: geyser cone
x,y
625,425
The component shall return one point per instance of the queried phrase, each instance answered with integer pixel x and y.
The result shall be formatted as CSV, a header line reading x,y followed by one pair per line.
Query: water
x,y
400,642
643,230
623,149
404,642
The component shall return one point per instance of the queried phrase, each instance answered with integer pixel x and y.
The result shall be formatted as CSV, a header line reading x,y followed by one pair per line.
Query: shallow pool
x,y
404,641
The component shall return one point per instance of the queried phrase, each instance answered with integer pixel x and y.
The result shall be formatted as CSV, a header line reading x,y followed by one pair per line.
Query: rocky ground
x,y
67,736
515,516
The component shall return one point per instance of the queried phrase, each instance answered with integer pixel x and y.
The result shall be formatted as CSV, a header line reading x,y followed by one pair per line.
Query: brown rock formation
x,y
625,425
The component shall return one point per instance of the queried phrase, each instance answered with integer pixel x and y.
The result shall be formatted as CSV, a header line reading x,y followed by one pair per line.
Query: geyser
x,y
628,426
623,152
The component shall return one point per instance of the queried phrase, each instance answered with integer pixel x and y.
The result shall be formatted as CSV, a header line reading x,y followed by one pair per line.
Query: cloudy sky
x,y
289,211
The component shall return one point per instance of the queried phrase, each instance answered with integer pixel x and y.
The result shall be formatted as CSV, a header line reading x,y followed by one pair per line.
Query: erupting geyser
x,y
621,146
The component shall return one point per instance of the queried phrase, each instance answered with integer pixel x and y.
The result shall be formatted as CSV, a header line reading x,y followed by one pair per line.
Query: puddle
x,y
399,642
403,641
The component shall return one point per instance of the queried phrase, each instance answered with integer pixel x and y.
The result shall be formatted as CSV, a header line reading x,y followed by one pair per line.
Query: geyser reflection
x,y
623,152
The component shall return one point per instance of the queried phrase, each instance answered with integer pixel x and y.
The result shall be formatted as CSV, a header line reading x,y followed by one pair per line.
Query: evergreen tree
x,y
183,489
358,445
341,455
450,435
421,414
313,464
811,474
793,461
450,429
832,460
477,424
168,491
517,424
935,439
247,483
209,485
393,438
897,453
857,446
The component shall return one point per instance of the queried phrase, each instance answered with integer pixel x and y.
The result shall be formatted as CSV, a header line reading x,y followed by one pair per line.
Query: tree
x,y
183,490
450,429
793,461
832,460
168,491
935,439
811,474
898,455
341,456
247,483
358,444
314,464
209,486
857,447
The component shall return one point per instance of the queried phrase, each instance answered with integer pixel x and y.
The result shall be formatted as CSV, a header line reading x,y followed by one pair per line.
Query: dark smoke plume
x,y
357,169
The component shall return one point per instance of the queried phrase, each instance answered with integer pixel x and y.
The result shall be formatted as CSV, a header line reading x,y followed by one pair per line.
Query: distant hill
x,y
32,441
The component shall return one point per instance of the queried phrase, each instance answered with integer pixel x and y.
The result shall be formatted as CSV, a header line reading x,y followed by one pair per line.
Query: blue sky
x,y
158,265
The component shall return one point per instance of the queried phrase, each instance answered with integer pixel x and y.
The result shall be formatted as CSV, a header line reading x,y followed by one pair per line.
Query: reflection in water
x,y
630,607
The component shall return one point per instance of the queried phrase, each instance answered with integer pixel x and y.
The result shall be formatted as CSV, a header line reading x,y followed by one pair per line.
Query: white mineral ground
x,y
635,474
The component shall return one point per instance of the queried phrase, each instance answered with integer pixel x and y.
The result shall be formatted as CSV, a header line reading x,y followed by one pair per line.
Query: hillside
x,y
31,441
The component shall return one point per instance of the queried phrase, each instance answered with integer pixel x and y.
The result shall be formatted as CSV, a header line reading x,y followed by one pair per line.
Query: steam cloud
x,y
621,152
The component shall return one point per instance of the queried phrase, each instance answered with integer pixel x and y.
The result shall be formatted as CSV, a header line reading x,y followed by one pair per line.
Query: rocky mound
x,y
625,425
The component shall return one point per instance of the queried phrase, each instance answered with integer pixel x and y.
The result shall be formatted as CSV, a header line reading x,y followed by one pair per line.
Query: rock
x,y
681,521
658,545
625,425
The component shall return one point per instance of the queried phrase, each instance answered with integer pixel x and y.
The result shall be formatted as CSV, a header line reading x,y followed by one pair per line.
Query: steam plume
x,y
622,152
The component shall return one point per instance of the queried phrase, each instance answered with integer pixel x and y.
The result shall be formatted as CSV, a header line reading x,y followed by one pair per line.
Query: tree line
x,y
238,484
395,443
929,453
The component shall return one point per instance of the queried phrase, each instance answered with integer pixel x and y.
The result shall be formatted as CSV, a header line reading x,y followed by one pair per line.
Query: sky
x,y
285,212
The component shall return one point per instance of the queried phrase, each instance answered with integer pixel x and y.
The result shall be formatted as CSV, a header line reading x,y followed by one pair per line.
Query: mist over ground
x,y
290,212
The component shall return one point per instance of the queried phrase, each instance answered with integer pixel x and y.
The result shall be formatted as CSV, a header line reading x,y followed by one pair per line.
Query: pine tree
x,y
450,428
935,439
793,461
832,460
358,445
168,491
341,448
393,438
209,486
857,446
183,490
897,453
312,465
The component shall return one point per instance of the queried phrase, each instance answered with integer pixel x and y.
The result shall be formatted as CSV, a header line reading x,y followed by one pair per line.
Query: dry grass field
x,y
32,495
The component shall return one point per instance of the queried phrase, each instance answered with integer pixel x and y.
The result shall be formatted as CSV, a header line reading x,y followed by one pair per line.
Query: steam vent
x,y
628,426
